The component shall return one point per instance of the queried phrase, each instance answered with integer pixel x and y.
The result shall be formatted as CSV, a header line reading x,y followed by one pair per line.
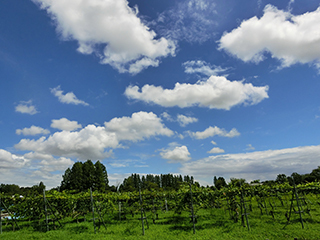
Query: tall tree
x,y
88,172
219,182
66,180
83,176
101,181
76,178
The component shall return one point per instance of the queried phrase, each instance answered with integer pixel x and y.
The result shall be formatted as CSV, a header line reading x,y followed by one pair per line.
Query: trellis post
x,y
298,204
92,205
0,216
295,196
245,210
142,217
119,210
45,208
192,212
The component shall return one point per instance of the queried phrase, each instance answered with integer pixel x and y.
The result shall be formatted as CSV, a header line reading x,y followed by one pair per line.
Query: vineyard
x,y
287,211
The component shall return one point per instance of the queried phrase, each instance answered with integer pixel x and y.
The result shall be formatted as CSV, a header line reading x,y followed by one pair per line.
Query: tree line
x,y
12,189
154,182
294,178
83,176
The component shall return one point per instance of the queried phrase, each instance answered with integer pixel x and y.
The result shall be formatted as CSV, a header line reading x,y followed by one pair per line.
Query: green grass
x,y
211,224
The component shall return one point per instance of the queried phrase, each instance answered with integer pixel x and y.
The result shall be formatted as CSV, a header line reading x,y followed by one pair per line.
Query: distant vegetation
x,y
83,176
284,208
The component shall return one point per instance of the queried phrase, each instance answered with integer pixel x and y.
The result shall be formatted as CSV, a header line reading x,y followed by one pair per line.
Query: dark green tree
x,y
219,182
9,189
88,173
281,178
66,180
83,176
101,181
316,173
76,178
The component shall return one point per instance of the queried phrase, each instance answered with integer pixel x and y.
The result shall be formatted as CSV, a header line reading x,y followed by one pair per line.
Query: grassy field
x,y
211,224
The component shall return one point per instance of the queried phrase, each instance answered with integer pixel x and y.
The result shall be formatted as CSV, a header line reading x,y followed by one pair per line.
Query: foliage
x,y
154,182
83,176
219,213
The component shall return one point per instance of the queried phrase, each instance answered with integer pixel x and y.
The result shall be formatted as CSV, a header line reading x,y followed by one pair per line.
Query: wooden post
x,y
0,216
166,202
12,216
119,210
53,212
142,217
245,209
294,196
45,208
94,224
298,204
192,212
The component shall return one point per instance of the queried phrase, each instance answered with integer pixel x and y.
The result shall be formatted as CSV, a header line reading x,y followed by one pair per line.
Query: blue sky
x,y
197,87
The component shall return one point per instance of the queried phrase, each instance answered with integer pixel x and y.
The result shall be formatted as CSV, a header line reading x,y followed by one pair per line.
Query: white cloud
x,y
10,161
65,124
89,143
213,131
110,29
263,165
68,98
250,147
289,38
94,142
192,21
203,68
167,116
184,120
32,168
26,107
59,164
213,142
33,130
139,126
216,150
216,92
181,119
176,153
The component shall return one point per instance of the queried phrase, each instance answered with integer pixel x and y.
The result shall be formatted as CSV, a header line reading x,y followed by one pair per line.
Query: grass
x,y
211,224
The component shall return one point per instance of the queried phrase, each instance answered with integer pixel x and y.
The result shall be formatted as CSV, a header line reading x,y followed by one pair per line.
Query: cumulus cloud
x,y
216,150
26,107
263,165
68,98
181,119
214,131
139,126
167,117
31,168
33,130
289,38
176,153
193,21
110,29
250,147
203,68
89,143
65,124
11,161
216,92
96,142
184,120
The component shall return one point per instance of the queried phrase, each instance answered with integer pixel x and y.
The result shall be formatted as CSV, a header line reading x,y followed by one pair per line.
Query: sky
x,y
193,87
